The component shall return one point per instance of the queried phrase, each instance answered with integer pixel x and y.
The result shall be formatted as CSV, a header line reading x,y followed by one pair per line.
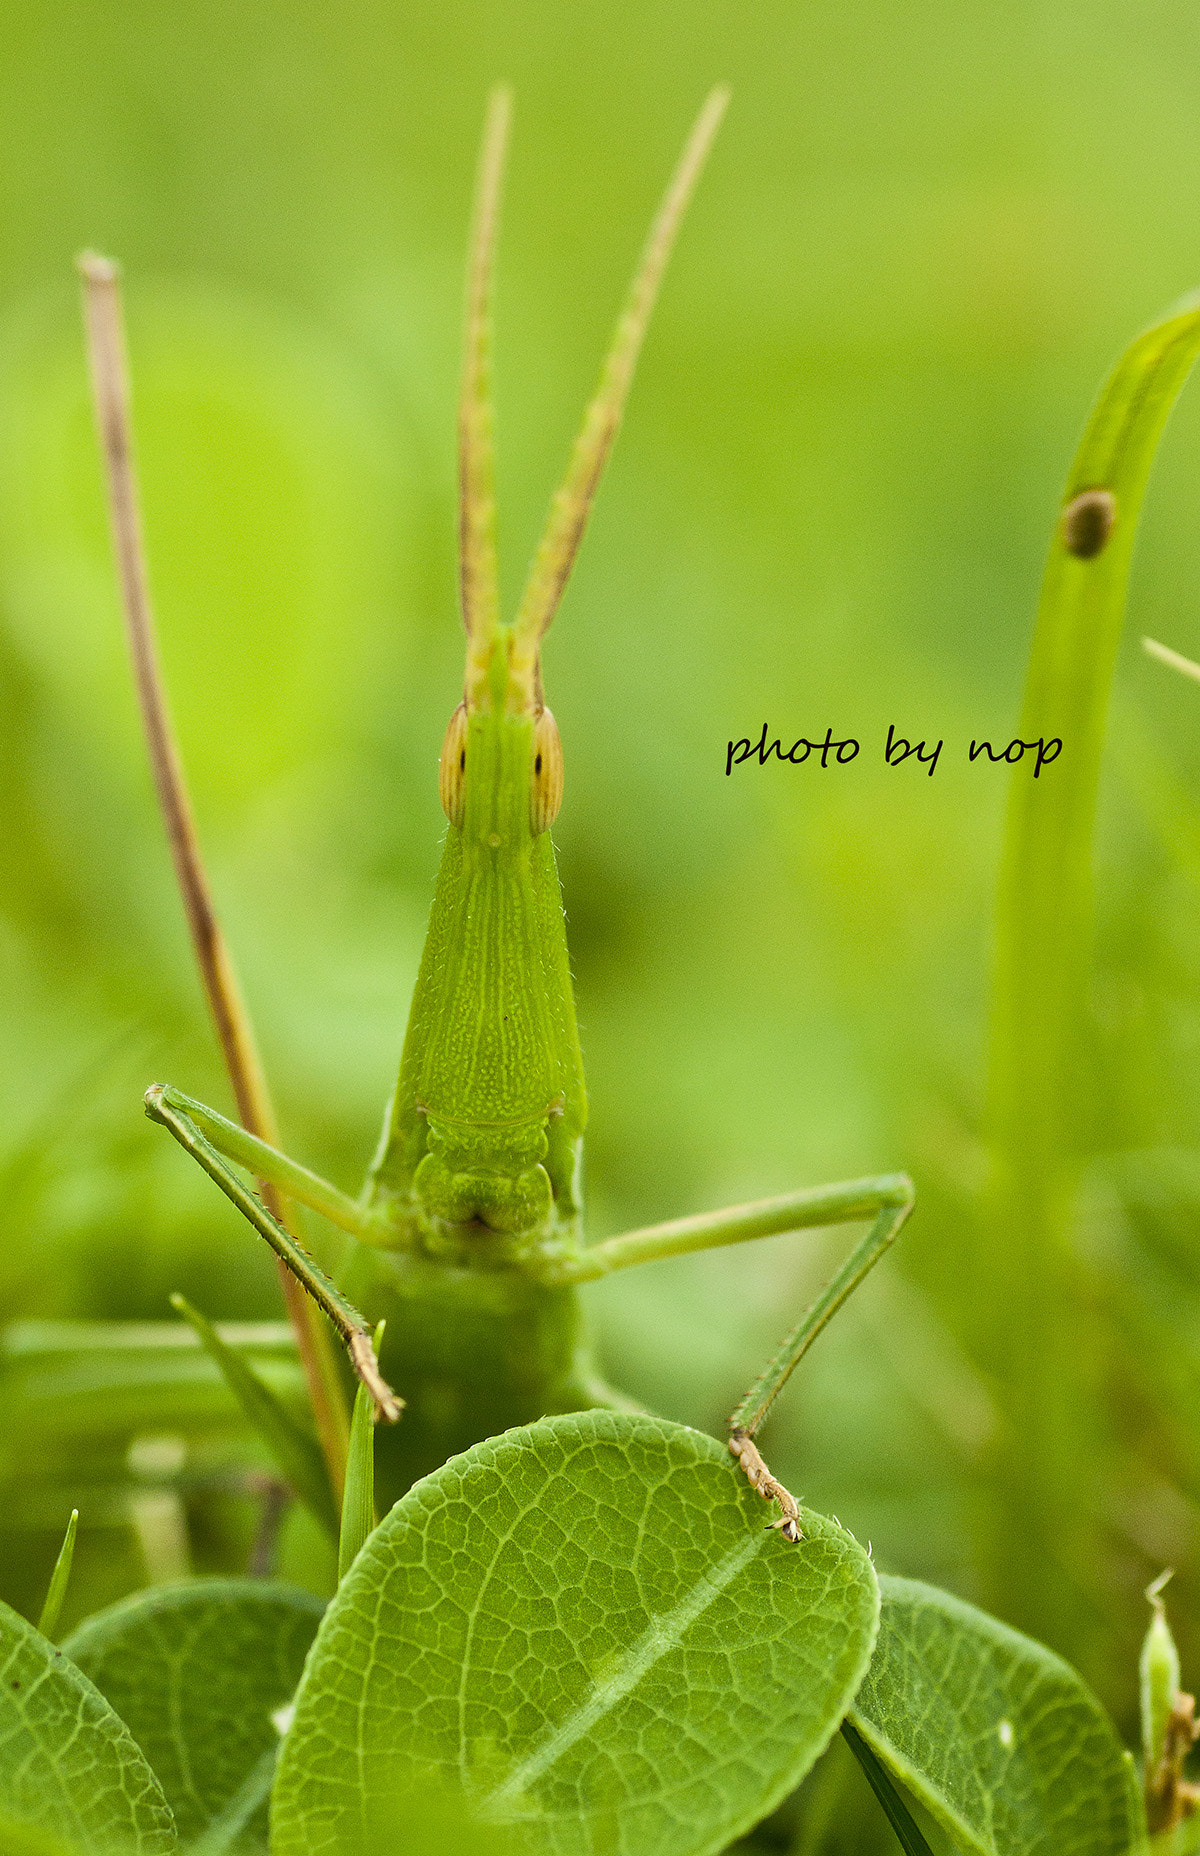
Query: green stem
x,y
1039,1047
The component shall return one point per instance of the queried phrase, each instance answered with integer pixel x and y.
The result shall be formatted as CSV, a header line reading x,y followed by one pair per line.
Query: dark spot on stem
x,y
1087,523
537,765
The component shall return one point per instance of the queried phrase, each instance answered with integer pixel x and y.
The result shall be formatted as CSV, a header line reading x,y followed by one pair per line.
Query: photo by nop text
x,y
896,750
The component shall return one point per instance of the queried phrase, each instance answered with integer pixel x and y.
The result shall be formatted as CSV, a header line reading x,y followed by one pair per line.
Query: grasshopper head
x,y
500,776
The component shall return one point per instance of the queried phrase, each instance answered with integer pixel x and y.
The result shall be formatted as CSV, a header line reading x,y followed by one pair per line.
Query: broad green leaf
x,y
68,1765
196,1672
585,1626
996,1736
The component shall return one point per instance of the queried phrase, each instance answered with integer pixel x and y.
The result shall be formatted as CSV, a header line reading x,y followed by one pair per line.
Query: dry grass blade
x,y
106,348
1174,660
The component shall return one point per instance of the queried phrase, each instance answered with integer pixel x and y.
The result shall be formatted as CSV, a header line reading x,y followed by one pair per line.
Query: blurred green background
x,y
924,234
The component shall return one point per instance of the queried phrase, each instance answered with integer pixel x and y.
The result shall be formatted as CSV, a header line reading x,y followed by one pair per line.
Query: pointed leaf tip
x,y
59,1578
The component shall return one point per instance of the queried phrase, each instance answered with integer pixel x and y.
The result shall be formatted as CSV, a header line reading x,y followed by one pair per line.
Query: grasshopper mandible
x,y
467,1236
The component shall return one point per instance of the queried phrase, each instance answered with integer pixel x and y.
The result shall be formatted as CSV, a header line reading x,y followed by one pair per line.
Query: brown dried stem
x,y
110,384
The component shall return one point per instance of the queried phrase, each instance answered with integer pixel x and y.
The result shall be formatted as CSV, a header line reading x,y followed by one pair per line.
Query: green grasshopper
x,y
467,1238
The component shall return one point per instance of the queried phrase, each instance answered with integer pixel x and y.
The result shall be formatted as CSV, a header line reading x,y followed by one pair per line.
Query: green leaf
x,y
996,1736
68,1766
585,1626
1045,903
196,1672
1159,1677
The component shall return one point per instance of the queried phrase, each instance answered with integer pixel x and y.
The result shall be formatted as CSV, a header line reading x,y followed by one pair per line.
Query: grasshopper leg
x,y
163,1106
886,1201
744,1448
267,1163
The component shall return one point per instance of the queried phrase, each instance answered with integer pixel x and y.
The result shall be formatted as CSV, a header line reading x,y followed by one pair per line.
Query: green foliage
x,y
295,1450
1036,1112
74,1395
1158,1677
59,1579
831,503
196,1672
586,1627
881,337
68,1765
997,1737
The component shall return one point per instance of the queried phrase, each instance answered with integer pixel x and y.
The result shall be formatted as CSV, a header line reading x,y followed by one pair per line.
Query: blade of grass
x,y
297,1454
106,349
48,1622
1038,1031
358,1501
1173,659
880,1781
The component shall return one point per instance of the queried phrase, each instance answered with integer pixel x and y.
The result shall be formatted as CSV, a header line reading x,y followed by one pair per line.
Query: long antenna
x,y
572,503
478,577
110,384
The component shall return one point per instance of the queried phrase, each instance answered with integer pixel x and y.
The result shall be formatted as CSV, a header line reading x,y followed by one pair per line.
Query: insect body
x,y
467,1237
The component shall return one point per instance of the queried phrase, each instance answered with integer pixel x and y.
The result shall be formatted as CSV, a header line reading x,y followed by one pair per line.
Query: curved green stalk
x,y
1043,935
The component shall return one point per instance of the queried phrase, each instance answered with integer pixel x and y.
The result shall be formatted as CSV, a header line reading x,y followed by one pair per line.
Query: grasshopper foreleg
x,y
162,1106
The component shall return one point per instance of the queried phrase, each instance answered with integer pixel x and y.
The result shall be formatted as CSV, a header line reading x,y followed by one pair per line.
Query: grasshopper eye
x,y
453,765
545,793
